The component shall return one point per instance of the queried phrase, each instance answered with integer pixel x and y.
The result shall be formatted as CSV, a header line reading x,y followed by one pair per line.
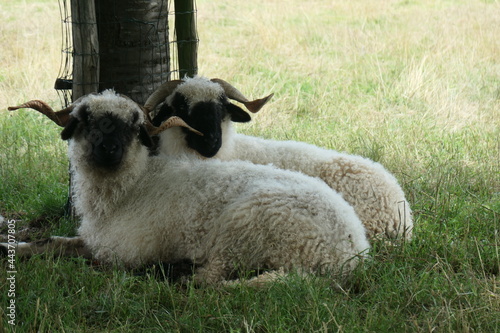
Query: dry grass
x,y
444,56
30,35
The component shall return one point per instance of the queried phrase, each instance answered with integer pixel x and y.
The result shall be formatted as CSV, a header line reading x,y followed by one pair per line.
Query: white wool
x,y
100,104
366,185
220,214
198,89
214,213
374,192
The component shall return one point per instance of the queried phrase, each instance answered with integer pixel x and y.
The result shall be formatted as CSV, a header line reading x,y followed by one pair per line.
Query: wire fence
x,y
138,46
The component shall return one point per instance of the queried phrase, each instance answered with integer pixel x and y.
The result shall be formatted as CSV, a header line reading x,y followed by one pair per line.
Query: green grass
x,y
411,84
34,164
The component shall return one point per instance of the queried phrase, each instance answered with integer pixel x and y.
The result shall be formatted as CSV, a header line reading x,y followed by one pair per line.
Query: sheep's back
x,y
374,192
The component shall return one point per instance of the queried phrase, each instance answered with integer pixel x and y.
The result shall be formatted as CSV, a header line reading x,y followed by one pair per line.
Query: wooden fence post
x,y
85,48
187,40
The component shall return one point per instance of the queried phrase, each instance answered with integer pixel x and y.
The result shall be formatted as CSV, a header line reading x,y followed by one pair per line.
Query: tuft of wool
x,y
198,89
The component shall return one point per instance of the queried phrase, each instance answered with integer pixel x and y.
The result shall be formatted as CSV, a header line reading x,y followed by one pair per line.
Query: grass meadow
x,y
412,84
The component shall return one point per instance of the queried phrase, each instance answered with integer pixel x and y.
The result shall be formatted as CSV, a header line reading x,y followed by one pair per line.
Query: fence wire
x,y
145,56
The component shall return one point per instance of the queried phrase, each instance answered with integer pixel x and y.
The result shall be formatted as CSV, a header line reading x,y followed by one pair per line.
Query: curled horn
x,y
233,93
160,94
61,117
170,122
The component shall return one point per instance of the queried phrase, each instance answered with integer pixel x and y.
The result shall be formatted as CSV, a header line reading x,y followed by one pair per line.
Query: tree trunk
x,y
133,46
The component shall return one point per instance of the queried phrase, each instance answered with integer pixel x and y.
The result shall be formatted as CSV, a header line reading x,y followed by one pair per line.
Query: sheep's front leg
x,y
62,246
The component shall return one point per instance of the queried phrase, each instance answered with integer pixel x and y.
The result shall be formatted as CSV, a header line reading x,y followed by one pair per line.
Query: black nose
x,y
109,148
108,153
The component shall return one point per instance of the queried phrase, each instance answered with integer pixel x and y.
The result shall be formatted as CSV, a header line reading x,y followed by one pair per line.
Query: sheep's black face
x,y
107,137
206,117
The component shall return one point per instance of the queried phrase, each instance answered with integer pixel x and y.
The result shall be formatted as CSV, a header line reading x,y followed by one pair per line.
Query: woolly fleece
x,y
220,215
373,191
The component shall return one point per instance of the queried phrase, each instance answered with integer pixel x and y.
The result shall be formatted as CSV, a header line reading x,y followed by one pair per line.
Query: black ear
x,y
70,128
145,137
238,115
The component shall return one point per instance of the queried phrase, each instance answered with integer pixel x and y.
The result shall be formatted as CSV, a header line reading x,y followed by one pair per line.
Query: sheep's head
x,y
105,125
203,104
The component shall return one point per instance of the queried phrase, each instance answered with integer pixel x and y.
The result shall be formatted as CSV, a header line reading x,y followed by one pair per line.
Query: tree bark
x,y
133,46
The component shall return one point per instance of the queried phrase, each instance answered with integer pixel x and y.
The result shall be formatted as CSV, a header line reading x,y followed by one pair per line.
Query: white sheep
x,y
374,193
138,209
